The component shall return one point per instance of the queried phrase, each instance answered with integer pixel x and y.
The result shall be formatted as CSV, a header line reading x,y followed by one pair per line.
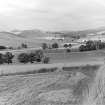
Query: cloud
x,y
52,14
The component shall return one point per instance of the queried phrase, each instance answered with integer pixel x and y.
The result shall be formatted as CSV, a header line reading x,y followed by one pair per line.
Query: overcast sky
x,y
51,14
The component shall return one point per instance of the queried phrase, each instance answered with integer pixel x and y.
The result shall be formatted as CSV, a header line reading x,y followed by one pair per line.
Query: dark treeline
x,y
32,57
92,45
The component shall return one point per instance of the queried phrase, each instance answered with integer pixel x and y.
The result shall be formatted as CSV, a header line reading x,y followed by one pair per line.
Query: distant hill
x,y
11,39
30,34
39,33
34,38
81,33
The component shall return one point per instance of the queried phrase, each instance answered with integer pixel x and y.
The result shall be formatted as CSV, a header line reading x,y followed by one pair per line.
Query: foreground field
x,y
61,82
61,87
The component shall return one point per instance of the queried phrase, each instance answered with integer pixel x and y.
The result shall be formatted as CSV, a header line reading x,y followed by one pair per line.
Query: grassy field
x,y
64,81
57,87
57,60
61,82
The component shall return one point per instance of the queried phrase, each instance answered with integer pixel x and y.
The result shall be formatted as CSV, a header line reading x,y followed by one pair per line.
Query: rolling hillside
x,y
30,34
31,38
34,38
10,39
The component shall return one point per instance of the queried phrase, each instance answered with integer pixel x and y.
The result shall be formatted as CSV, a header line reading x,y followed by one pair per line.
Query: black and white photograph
x,y
52,52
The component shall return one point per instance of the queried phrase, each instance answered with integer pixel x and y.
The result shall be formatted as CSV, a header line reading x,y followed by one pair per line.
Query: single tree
x,y
55,45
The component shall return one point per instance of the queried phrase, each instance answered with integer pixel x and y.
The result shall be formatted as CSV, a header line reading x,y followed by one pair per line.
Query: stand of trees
x,y
92,45
32,57
67,46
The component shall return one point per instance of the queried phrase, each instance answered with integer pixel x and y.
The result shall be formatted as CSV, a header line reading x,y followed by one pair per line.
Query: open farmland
x,y
73,57
61,87
52,52
61,82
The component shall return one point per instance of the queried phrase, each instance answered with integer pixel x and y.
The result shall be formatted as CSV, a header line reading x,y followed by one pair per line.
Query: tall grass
x,y
96,93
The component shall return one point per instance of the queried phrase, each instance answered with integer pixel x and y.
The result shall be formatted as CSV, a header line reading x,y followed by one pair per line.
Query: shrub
x,y
23,58
24,45
46,70
38,60
44,46
39,55
70,45
46,60
68,50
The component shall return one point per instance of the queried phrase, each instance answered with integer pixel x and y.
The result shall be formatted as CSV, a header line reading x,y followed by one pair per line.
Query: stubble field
x,y
61,87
